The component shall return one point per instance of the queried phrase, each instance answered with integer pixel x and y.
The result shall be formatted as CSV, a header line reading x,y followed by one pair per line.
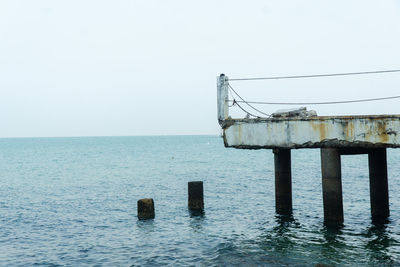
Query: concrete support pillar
x,y
378,183
332,186
195,195
145,208
283,181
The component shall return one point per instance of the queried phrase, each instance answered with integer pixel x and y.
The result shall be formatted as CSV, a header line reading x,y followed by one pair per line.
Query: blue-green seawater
x,y
72,202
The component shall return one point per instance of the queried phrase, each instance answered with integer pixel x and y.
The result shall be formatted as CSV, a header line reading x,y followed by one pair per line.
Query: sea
x,y
73,202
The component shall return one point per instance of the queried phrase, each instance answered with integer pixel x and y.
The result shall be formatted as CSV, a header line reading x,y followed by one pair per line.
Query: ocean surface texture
x,y
72,202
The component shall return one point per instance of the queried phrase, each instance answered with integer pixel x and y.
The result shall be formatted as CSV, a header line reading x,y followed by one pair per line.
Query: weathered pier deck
x,y
313,132
334,135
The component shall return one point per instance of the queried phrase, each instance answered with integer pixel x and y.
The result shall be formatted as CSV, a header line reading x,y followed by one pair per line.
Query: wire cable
x,y
246,111
234,102
320,103
244,101
315,75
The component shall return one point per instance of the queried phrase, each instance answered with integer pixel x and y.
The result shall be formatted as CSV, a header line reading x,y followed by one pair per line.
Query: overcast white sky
x,y
125,67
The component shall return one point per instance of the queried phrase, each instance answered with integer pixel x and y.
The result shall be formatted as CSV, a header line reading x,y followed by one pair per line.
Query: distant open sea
x,y
72,202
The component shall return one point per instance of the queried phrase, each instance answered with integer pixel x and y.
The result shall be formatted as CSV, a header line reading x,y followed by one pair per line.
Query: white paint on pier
x,y
329,131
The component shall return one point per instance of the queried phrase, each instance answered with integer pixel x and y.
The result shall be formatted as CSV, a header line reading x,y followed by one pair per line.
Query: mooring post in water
x,y
195,195
283,181
378,183
145,208
332,185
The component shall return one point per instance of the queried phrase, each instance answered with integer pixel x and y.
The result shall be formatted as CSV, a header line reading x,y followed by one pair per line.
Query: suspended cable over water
x,y
319,103
315,75
249,103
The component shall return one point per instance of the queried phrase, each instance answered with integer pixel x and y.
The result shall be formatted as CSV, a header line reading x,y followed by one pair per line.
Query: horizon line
x,y
94,136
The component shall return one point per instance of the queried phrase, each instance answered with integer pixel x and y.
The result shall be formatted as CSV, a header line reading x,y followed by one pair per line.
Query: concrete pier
x,y
332,186
334,135
378,184
283,181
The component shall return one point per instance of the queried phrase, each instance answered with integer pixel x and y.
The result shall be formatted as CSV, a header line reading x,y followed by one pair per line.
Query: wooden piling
x,y
283,181
378,184
195,195
332,186
145,209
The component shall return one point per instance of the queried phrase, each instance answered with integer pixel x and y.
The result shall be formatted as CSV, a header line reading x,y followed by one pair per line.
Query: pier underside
x,y
375,131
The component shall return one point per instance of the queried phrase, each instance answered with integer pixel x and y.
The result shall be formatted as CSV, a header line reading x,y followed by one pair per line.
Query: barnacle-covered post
x,y
222,98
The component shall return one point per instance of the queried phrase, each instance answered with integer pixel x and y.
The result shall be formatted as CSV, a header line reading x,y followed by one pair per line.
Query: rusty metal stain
x,y
367,131
224,137
381,134
320,128
240,132
322,131
349,130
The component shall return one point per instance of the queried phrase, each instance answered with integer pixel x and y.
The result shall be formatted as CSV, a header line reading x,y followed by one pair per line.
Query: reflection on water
x,y
146,226
378,243
329,244
333,244
196,213
333,236
284,220
282,237
197,218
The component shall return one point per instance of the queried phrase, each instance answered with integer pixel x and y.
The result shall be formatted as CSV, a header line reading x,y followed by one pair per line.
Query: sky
x,y
126,67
